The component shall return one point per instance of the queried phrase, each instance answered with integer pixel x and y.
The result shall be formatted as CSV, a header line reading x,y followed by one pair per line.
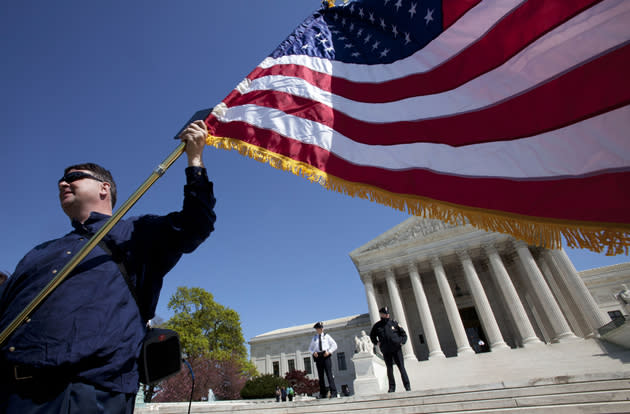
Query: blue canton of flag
x,y
368,32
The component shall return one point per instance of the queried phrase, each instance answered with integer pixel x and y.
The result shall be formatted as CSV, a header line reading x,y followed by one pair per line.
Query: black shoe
x,y
408,388
333,395
391,390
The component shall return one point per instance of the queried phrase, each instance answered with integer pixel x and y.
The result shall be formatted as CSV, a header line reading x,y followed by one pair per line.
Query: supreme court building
x,y
479,307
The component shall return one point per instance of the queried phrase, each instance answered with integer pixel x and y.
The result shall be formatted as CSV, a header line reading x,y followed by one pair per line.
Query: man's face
x,y
80,191
319,330
384,315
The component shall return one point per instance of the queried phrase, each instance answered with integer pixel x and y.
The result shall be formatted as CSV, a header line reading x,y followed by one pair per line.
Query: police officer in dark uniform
x,y
390,336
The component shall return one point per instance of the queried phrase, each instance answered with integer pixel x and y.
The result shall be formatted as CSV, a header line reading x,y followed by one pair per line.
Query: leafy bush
x,y
263,386
301,383
224,378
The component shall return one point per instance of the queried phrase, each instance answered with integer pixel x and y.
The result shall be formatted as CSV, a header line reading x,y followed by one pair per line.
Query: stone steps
x,y
555,395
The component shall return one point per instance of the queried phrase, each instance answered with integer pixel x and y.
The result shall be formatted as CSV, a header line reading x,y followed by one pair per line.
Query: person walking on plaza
x,y
322,346
390,337
78,351
290,392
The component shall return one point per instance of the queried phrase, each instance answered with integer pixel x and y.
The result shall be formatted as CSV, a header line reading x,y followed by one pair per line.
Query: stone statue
x,y
624,295
363,343
624,298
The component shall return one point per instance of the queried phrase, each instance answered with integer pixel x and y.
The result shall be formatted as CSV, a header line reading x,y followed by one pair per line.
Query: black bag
x,y
160,356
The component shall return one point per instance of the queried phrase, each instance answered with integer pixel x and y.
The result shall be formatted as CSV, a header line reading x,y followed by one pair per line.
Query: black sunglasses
x,y
77,175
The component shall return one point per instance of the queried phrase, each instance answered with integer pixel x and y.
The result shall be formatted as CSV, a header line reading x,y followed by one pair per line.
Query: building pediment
x,y
416,230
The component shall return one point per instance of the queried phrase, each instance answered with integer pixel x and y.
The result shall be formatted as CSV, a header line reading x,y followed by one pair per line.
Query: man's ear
x,y
105,190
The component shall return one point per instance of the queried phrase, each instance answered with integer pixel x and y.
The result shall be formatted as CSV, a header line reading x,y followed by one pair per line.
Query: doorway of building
x,y
476,336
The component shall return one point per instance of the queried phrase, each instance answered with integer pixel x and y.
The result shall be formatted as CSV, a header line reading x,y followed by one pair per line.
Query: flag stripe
x,y
564,100
429,71
609,148
542,60
452,11
607,201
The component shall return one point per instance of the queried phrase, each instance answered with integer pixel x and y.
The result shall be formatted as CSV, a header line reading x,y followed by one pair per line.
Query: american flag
x,y
511,115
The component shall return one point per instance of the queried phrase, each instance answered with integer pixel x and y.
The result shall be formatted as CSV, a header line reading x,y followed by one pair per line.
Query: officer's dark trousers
x,y
324,365
392,358
74,398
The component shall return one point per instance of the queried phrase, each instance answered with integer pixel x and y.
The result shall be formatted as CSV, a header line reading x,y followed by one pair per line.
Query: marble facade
x,y
460,291
280,350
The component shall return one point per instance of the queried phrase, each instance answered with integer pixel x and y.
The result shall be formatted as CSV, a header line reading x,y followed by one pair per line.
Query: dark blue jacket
x,y
90,326
388,334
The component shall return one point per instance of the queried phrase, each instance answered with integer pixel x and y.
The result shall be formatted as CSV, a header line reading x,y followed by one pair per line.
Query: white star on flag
x,y
412,10
429,17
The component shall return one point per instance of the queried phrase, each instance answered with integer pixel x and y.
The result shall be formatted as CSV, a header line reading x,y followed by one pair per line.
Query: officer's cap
x,y
318,325
384,310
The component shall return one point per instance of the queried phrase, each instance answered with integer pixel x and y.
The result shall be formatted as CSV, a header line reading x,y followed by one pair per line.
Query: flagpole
x,y
98,236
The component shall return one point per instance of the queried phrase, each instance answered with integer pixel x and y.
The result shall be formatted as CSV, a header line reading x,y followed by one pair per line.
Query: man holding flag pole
x,y
77,352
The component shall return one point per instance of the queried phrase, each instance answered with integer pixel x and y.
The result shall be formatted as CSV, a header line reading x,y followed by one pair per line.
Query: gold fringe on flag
x,y
597,237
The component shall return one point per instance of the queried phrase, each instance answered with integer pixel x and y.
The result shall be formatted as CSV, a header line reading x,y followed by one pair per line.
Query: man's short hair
x,y
100,173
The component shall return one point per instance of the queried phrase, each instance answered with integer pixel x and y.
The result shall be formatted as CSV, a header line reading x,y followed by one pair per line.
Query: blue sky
x,y
112,82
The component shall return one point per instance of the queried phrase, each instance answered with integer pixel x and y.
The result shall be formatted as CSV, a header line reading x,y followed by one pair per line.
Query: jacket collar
x,y
94,222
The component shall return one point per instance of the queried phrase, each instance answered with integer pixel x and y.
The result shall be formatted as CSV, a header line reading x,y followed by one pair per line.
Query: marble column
x,y
284,366
561,331
593,314
299,361
399,313
425,314
368,283
512,300
268,364
569,312
482,305
454,319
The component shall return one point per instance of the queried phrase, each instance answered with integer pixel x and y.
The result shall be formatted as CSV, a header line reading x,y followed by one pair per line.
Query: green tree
x,y
205,327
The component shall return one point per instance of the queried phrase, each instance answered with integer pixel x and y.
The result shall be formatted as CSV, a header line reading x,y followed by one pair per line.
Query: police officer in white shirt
x,y
322,346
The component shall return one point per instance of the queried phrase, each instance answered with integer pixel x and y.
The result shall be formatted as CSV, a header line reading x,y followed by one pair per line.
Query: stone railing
x,y
615,323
